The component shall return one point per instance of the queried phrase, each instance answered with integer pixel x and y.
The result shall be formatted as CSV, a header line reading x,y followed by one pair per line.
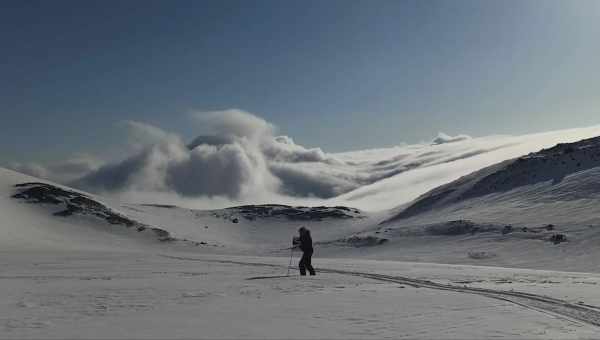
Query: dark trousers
x,y
305,263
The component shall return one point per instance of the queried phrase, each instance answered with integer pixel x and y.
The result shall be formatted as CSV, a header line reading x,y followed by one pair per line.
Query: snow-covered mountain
x,y
537,210
430,166
38,214
561,175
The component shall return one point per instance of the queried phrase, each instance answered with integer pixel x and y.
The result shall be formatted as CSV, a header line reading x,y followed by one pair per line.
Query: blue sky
x,y
340,75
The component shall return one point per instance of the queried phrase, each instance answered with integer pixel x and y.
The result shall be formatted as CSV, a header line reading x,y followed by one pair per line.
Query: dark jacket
x,y
304,242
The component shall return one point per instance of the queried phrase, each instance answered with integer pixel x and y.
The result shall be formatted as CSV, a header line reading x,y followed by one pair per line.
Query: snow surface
x,y
507,215
453,271
32,226
139,295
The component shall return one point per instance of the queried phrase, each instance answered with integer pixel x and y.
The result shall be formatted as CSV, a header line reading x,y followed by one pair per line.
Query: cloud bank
x,y
242,158
238,158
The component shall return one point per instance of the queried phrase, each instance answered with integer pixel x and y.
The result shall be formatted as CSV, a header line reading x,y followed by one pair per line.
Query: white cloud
x,y
62,171
283,149
451,162
239,159
443,138
32,169
234,122
228,164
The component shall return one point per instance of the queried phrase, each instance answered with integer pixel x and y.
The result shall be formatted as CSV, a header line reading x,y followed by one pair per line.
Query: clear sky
x,y
336,74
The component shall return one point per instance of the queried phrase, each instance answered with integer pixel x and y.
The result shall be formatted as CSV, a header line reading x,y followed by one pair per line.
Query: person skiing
x,y
304,242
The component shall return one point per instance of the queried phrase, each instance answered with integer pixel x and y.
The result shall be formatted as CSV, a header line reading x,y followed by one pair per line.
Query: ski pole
x,y
291,256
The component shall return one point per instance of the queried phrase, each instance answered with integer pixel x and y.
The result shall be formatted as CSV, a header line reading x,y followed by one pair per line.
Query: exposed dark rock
x,y
507,229
359,241
78,203
166,206
299,213
480,255
42,193
116,219
558,238
550,165
453,228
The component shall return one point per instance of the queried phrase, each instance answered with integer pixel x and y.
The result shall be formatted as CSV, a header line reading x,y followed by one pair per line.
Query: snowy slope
x,y
40,215
541,210
255,229
44,214
562,174
75,266
87,295
424,167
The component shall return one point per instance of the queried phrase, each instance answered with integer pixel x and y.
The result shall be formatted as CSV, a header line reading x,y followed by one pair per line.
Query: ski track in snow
x,y
582,313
